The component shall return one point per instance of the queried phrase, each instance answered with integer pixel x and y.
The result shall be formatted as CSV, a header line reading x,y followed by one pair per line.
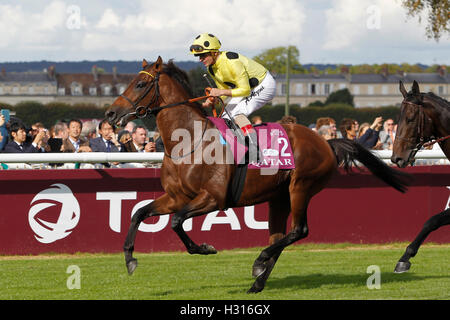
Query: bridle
x,y
421,126
420,139
141,111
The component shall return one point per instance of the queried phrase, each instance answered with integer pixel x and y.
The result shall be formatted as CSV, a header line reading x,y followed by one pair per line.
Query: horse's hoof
x,y
402,266
131,266
207,249
255,289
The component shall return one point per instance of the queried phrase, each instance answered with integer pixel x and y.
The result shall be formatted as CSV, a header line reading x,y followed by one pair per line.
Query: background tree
x,y
316,103
340,96
438,15
275,60
197,81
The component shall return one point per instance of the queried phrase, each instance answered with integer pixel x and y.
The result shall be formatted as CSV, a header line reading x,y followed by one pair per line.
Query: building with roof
x,y
48,86
369,90
95,87
100,88
21,86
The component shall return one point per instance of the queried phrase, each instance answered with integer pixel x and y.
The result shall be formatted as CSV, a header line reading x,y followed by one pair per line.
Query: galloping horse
x,y
194,189
423,117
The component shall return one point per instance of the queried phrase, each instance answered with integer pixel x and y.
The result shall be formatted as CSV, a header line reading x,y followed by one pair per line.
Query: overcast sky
x,y
325,31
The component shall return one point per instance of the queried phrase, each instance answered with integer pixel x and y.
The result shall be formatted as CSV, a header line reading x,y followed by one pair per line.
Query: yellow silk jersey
x,y
236,72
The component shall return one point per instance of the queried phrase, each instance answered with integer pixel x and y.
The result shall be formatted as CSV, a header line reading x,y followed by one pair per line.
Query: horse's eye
x,y
141,84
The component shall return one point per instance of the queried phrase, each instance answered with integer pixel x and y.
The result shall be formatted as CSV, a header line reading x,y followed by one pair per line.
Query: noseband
x,y
141,111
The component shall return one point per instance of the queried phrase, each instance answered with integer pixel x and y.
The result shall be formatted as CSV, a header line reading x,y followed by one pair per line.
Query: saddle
x,y
273,144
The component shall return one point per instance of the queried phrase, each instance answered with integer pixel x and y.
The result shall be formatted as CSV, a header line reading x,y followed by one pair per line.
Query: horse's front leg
x,y
432,224
202,204
155,208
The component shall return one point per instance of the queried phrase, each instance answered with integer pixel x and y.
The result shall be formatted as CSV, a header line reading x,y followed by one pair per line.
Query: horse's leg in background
x,y
432,224
155,208
203,203
264,264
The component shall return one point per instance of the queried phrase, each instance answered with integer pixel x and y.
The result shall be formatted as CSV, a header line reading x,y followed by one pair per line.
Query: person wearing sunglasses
x,y
243,84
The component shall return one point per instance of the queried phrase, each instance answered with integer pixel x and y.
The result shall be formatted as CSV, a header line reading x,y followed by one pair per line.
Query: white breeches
x,y
259,96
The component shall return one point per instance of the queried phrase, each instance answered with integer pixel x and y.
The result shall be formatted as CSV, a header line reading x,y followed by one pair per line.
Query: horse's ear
x,y
159,64
144,63
415,88
402,89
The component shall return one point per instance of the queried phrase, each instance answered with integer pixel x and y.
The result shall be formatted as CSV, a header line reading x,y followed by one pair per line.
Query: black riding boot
x,y
253,150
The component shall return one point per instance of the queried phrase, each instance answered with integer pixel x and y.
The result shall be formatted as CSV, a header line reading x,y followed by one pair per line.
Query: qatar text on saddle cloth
x,y
273,144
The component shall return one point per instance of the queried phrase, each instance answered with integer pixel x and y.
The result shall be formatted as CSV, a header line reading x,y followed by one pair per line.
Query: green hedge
x,y
309,115
31,112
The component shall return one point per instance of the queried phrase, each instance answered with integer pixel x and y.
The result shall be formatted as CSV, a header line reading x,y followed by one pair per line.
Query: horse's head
x,y
141,95
414,126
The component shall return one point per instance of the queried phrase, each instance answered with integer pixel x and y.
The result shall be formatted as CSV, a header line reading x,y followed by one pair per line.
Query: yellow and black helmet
x,y
206,42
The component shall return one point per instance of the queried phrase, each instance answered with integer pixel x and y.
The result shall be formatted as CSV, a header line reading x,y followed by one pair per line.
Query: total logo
x,y
48,232
69,216
216,217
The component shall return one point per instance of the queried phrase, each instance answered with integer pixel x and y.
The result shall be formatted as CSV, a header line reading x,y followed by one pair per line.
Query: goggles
x,y
196,48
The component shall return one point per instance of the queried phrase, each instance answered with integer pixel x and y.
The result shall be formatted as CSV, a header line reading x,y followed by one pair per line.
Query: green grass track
x,y
307,271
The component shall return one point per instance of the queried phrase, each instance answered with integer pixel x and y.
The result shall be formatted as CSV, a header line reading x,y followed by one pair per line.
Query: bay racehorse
x,y
194,189
424,119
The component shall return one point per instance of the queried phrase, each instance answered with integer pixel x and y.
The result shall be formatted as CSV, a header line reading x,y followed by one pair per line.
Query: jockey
x,y
248,83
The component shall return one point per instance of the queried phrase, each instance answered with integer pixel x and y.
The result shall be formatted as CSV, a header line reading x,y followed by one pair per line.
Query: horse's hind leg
x,y
157,207
202,204
299,229
434,223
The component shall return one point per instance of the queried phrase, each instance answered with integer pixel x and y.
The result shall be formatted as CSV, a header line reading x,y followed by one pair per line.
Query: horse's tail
x,y
347,151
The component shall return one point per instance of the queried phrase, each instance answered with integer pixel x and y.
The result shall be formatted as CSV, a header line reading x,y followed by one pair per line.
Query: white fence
x,y
136,159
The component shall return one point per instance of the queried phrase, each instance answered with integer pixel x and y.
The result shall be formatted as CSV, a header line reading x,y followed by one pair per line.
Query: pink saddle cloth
x,y
273,143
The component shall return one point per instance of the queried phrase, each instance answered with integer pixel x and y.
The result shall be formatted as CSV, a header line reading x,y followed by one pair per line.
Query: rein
x,y
430,143
142,112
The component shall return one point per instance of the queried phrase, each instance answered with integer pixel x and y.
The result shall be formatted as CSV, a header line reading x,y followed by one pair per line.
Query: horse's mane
x,y
182,78
438,99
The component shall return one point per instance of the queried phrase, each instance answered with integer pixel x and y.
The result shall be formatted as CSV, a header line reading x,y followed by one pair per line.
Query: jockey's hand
x,y
208,103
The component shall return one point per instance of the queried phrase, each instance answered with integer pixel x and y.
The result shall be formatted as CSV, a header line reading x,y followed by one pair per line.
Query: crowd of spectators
x,y
378,135
76,136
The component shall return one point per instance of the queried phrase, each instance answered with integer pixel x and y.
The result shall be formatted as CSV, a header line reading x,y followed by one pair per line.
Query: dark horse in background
x,y
196,189
424,117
